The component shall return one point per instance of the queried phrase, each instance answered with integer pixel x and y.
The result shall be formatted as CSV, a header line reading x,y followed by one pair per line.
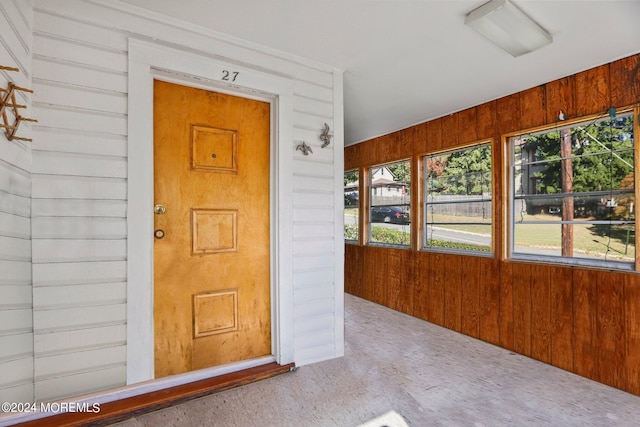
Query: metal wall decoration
x,y
304,148
8,100
325,137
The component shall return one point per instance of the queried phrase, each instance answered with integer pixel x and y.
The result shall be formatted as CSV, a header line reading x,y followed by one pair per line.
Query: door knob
x,y
159,209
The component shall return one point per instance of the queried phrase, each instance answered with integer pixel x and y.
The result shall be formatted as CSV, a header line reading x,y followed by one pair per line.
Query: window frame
x,y
510,194
424,206
358,207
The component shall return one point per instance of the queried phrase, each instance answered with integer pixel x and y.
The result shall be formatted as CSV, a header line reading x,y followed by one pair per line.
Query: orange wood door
x,y
212,229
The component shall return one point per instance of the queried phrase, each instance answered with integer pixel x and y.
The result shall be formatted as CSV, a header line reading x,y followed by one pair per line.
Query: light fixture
x,y
508,27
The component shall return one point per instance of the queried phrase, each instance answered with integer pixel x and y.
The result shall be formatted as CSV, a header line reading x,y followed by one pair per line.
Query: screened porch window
x,y
390,203
351,206
574,200
458,202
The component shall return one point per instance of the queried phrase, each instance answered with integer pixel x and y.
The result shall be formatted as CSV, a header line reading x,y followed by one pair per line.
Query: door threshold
x,y
123,409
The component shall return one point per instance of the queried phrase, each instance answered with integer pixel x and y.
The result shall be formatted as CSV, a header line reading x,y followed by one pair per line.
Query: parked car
x,y
351,199
389,214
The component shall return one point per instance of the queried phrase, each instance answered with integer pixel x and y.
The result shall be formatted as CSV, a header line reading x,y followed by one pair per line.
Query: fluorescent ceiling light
x,y
507,26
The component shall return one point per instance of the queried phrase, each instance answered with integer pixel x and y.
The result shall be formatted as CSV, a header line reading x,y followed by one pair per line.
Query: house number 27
x,y
230,76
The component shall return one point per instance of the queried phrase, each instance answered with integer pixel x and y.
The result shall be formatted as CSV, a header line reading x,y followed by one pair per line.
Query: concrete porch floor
x,y
429,375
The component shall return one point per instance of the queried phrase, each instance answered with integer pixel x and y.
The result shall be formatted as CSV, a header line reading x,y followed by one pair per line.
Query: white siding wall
x,y
80,181
16,324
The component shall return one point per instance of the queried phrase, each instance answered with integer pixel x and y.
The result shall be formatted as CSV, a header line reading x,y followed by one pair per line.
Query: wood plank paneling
x,y
632,329
434,135
402,145
352,157
353,269
507,339
453,292
625,81
561,327
532,107
576,318
450,131
468,126
610,324
540,313
368,278
521,278
378,152
560,97
486,120
421,285
420,145
508,114
436,288
400,284
592,91
408,279
380,275
470,287
489,301
585,332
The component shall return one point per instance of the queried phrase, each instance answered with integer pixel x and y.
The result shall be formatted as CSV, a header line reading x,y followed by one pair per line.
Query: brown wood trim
x,y
123,409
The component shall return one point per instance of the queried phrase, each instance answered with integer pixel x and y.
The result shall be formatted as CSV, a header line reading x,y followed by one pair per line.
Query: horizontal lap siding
x,y
79,206
313,228
80,192
16,316
581,320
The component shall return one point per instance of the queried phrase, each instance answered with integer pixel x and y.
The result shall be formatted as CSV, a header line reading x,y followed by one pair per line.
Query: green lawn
x,y
596,241
589,240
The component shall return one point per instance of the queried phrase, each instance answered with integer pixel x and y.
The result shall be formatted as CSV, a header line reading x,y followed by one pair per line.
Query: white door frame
x,y
149,61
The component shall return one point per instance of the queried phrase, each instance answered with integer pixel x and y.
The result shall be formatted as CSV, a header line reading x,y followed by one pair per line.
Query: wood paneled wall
x,y
586,321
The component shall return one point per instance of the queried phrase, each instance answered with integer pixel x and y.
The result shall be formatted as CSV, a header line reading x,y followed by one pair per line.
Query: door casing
x,y
149,61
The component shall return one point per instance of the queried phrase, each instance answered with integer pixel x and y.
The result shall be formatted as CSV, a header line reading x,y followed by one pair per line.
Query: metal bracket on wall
x,y
8,100
325,137
304,148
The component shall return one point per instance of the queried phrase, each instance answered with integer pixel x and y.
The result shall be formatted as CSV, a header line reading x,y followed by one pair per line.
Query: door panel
x,y
211,258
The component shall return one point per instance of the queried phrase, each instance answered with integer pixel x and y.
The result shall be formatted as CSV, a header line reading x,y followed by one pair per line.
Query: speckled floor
x,y
429,375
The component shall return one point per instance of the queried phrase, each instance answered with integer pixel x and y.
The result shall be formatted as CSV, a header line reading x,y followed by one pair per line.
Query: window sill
x,y
575,262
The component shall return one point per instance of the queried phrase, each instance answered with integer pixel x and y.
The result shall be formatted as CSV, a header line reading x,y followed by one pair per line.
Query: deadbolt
x,y
159,234
159,209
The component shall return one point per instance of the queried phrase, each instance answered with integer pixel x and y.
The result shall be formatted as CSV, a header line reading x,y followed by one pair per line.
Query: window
x,y
390,203
458,190
574,200
351,207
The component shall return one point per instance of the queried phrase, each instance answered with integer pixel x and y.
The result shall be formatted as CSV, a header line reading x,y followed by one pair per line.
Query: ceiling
x,y
409,61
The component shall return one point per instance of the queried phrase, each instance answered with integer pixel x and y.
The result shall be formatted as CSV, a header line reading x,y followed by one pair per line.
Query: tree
x,y
601,153
351,176
401,171
467,172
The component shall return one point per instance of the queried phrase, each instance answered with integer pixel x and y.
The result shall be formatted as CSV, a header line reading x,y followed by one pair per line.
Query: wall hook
x,y
304,148
8,102
324,136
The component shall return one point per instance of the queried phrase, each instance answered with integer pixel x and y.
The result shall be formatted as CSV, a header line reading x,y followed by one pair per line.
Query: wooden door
x,y
212,229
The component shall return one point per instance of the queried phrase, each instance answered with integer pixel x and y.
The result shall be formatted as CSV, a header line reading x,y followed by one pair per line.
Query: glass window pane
x,y
573,191
351,206
458,202
390,203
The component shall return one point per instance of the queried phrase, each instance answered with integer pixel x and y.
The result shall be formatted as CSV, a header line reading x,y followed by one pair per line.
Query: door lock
x,y
159,209
159,234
